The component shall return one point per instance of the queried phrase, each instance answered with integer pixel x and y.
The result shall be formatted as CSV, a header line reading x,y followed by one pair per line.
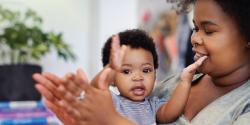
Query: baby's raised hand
x,y
188,72
117,53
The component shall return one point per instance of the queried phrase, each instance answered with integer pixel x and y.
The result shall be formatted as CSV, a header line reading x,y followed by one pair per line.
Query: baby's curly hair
x,y
239,10
134,38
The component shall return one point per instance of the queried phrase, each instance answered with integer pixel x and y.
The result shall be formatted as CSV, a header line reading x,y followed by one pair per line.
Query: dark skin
x,y
60,94
216,37
202,95
227,67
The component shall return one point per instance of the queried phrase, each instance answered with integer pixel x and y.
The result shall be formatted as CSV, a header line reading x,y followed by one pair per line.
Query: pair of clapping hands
x,y
74,99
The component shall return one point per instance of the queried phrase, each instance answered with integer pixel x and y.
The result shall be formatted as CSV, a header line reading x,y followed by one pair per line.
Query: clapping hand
x,y
75,100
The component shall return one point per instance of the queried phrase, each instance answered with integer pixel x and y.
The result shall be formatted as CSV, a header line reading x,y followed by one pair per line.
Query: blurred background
x,y
60,36
86,24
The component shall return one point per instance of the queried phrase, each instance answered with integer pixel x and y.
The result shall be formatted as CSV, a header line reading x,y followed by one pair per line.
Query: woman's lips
x,y
198,55
138,91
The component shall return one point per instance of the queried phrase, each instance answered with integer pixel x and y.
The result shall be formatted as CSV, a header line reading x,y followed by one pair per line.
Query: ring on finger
x,y
81,96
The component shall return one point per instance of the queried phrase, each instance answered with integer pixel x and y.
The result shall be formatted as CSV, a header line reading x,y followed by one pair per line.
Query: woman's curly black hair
x,y
134,38
239,10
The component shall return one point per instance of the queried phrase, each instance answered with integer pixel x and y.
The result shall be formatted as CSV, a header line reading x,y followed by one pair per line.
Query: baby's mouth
x,y
138,90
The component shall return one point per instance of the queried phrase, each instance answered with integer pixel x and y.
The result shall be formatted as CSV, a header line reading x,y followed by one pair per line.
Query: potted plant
x,y
22,44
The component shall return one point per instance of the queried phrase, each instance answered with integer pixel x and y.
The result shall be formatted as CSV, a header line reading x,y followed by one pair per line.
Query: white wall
x,y
112,17
85,24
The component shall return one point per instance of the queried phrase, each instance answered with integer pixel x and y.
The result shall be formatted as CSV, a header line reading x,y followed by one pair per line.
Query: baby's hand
x,y
188,72
117,53
107,75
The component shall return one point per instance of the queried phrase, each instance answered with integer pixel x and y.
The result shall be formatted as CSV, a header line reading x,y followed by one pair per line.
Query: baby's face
x,y
136,79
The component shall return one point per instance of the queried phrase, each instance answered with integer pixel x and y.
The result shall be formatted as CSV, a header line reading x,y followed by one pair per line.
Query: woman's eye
x,y
125,71
147,70
209,32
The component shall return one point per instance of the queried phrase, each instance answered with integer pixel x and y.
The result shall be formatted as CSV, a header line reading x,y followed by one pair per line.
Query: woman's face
x,y
217,36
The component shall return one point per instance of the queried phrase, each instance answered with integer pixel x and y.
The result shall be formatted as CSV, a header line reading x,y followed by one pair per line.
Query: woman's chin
x,y
204,67
202,70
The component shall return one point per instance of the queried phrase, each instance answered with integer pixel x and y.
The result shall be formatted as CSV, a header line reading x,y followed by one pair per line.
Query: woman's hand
x,y
47,86
61,97
96,107
94,96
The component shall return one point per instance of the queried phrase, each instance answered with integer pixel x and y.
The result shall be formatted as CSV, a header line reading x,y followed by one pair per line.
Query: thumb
x,y
106,78
82,76
81,80
103,79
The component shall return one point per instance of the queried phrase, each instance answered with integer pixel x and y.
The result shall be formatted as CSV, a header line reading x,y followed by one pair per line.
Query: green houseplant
x,y
22,43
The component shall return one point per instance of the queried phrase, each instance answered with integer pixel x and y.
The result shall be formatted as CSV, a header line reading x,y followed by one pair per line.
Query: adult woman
x,y
219,96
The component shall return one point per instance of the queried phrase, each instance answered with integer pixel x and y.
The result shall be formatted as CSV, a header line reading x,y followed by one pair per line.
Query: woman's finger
x,y
66,95
68,84
60,113
82,76
55,79
81,79
49,85
103,79
70,109
76,83
57,97
45,92
71,85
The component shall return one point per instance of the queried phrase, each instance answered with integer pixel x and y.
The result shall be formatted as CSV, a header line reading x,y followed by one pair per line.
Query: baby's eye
x,y
147,70
126,71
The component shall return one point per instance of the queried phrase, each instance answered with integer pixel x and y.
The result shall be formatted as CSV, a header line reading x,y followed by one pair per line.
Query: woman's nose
x,y
196,39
